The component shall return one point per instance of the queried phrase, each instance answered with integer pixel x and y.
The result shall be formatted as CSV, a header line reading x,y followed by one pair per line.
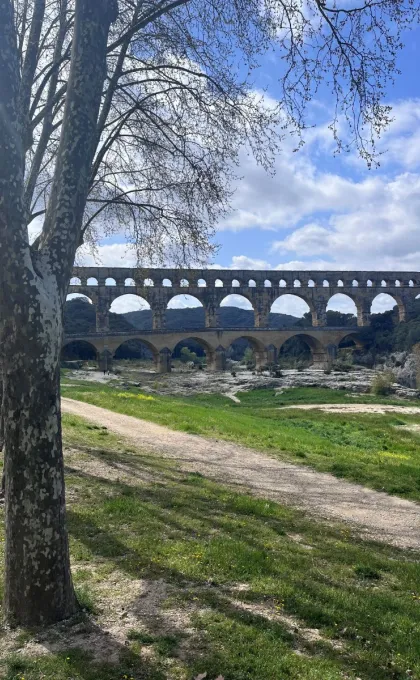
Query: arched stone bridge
x,y
262,288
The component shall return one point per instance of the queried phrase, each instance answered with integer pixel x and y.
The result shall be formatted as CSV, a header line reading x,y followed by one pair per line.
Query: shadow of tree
x,y
171,513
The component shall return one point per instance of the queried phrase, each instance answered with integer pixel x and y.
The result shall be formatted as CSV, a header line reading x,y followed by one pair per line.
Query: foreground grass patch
x,y
198,578
374,450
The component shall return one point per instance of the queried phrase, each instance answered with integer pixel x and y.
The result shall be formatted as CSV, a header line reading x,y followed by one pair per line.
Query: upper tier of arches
x,y
213,278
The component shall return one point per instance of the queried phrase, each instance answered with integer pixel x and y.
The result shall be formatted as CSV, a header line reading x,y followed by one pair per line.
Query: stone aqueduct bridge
x,y
210,286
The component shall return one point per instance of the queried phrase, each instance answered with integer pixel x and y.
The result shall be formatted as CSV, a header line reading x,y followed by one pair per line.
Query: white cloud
x,y
108,255
183,301
236,301
128,303
290,304
381,234
382,303
330,214
342,303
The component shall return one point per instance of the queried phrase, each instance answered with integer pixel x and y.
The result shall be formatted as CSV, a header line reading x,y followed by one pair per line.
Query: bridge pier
x,y
211,316
164,361
105,360
363,312
102,316
158,318
260,358
319,314
218,359
271,354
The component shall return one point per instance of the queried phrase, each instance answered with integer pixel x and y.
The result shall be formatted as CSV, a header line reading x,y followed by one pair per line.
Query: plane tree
x,y
131,114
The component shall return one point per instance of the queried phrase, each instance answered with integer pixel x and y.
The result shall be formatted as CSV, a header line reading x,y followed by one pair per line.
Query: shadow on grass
x,y
187,508
80,649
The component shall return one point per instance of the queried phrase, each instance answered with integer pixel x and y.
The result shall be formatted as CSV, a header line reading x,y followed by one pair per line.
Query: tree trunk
x,y
33,286
38,586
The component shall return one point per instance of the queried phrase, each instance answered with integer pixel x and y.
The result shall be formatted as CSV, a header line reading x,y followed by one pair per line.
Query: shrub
x,y
249,358
382,383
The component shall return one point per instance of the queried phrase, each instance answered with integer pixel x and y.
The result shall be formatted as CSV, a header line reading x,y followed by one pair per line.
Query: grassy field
x,y
379,451
180,576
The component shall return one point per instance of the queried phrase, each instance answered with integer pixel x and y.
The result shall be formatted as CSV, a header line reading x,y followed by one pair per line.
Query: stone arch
x,y
411,283
255,342
201,283
82,350
75,296
311,283
206,351
369,283
110,281
92,281
184,283
297,283
79,314
355,283
235,283
340,283
243,301
282,283
129,302
75,281
325,283
184,311
138,348
384,302
182,301
167,283
148,282
129,282
294,304
256,345
384,283
251,283
218,283
317,350
397,283
354,338
342,302
267,283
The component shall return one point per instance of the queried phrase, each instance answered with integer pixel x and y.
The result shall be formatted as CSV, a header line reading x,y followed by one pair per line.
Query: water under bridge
x,y
103,285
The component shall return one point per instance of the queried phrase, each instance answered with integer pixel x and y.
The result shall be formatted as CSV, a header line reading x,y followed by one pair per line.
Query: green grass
x,y
252,581
374,450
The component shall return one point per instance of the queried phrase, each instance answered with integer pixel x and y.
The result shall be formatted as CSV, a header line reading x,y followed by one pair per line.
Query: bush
x,y
382,383
249,358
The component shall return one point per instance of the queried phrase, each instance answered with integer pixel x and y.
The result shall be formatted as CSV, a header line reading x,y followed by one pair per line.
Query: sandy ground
x,y
357,408
375,515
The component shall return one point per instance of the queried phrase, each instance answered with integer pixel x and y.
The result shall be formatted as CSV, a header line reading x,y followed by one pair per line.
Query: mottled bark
x,y
33,286
38,586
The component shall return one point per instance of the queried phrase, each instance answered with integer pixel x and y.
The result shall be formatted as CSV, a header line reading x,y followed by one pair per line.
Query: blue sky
x,y
323,211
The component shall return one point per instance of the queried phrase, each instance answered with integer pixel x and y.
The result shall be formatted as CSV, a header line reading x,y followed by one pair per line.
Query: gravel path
x,y
376,515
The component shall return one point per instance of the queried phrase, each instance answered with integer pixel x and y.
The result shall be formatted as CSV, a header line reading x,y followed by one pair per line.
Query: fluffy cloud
x,y
108,255
328,213
381,233
350,218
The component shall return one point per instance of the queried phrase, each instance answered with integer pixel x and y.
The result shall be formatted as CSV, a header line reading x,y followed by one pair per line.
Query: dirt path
x,y
377,516
357,408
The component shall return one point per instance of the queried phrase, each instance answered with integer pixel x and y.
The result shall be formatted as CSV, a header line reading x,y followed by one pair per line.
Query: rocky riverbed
x,y
185,382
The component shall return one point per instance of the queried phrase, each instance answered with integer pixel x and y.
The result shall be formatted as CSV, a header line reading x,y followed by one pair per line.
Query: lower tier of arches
x,y
266,345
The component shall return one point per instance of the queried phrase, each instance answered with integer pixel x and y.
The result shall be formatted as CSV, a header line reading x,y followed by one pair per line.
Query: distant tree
x,y
187,355
133,112
249,358
335,318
